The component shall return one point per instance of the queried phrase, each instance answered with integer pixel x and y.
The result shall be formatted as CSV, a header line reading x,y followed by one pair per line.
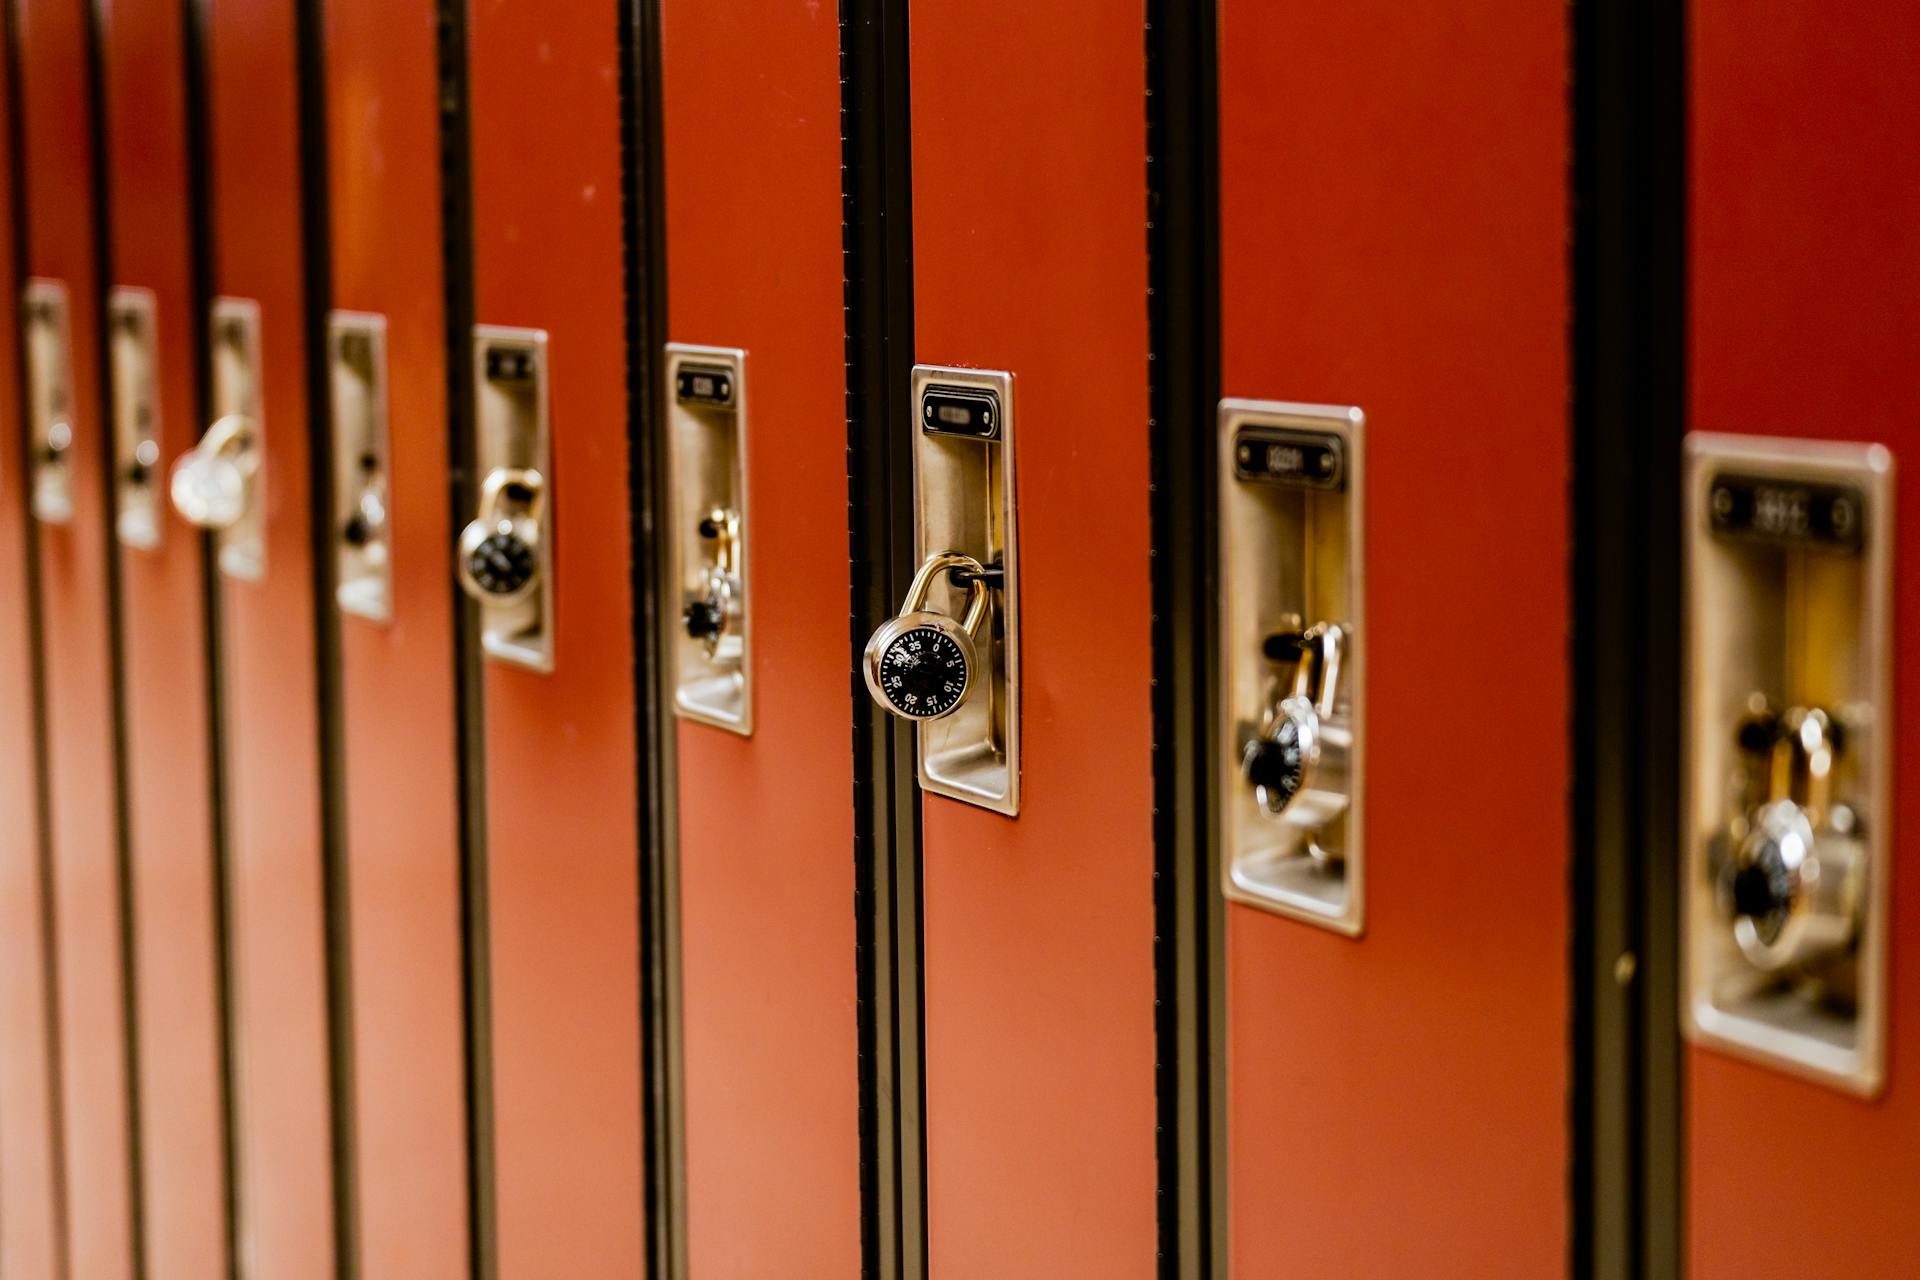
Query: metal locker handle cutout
x,y
362,524
1787,744
47,346
964,504
709,532
499,562
920,664
504,557
134,410
1290,700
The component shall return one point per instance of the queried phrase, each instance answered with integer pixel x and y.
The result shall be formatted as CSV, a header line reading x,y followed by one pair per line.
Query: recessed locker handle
x,y
504,556
709,525
47,348
1787,764
1290,692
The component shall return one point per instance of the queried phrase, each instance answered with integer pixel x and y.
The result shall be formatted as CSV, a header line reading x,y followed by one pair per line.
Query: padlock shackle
x,y
1333,639
978,598
228,433
1805,751
724,524
1319,663
494,488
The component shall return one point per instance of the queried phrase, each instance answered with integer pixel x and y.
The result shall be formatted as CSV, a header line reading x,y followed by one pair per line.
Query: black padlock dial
x,y
923,672
704,618
1277,763
1764,890
501,564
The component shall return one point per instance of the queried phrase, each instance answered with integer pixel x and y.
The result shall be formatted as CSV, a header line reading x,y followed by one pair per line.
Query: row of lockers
x,y
453,457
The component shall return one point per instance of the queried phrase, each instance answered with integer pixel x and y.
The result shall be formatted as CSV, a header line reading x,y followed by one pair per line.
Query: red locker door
x,y
766,820
1804,283
387,345
1394,225
1029,243
563,854
67,432
153,339
277,950
29,1192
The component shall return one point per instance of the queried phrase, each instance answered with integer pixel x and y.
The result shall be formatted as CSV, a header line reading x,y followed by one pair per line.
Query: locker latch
x,y
504,559
1291,690
48,344
711,636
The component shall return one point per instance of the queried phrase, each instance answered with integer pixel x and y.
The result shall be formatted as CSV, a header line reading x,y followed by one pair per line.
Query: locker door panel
x,y
1029,238
29,1193
278,942
1804,280
1394,225
183,1178
752,149
397,684
56,130
562,828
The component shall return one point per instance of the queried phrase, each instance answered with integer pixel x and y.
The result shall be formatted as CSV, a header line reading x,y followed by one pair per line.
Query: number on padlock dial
x,y
925,670
501,563
921,664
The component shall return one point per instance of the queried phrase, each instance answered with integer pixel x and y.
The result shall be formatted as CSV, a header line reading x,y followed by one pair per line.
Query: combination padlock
x,y
212,483
1298,763
499,558
921,663
708,614
1792,883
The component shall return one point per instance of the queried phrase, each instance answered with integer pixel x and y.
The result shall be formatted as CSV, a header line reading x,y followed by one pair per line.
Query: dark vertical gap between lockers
x,y
456,236
200,251
1628,335
317,294
116,620
1183,308
643,209
43,795
877,238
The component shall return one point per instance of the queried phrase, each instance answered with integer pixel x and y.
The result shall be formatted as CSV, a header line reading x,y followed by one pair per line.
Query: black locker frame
x,y
1628,335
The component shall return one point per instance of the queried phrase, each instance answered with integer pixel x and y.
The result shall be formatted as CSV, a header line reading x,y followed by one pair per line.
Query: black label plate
x,y
1303,459
960,411
703,384
1796,513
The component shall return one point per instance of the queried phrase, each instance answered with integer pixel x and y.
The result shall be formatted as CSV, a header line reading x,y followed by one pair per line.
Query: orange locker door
x,y
1393,239
153,338
31,1194
751,100
387,534
67,436
547,444
259,424
1029,260
1804,299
